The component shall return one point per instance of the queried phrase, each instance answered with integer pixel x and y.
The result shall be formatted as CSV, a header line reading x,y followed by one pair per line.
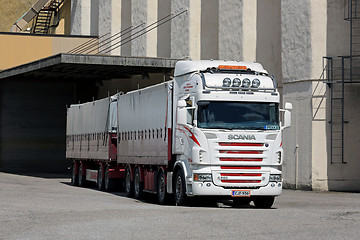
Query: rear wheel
x,y
100,182
138,185
180,195
108,182
161,188
82,175
74,175
264,202
129,188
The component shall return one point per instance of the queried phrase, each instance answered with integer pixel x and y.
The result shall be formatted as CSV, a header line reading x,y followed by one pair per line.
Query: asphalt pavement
x,y
48,207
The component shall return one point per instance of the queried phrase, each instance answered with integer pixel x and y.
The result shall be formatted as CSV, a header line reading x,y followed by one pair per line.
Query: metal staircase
x,y
42,22
341,71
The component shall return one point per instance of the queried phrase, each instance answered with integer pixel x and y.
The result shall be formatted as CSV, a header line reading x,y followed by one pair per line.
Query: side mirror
x,y
181,116
287,115
181,112
287,119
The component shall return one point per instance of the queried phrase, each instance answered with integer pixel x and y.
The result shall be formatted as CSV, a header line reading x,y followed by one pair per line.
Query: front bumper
x,y
209,189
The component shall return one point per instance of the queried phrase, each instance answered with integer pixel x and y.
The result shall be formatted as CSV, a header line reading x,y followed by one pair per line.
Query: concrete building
x,y
290,38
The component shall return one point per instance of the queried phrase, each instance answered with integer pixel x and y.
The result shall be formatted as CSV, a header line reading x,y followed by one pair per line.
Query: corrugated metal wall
x,y
32,125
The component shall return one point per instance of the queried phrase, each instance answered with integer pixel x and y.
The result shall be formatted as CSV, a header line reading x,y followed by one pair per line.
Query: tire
x,y
100,180
108,182
180,188
129,185
264,202
74,175
82,176
138,185
241,201
162,195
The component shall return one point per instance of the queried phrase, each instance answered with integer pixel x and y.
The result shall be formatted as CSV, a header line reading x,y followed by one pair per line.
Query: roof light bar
x,y
228,67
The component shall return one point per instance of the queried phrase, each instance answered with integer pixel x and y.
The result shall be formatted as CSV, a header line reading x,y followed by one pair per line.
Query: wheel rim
x,y
80,175
100,178
128,180
107,177
137,182
178,188
161,186
73,173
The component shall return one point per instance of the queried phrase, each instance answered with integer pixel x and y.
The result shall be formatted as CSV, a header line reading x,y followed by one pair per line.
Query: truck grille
x,y
238,165
248,155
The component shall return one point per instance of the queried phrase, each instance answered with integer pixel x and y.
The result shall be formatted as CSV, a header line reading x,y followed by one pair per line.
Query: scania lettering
x,y
241,137
213,131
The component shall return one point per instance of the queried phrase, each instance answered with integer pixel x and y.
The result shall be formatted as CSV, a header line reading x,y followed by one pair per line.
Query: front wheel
x,y
180,192
264,202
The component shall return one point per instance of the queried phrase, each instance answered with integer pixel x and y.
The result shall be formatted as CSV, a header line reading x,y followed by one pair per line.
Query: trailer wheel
x,y
74,175
180,195
82,176
264,202
108,182
128,183
100,182
138,185
240,201
161,188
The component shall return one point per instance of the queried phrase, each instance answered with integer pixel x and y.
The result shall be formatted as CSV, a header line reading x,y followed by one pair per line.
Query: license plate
x,y
240,193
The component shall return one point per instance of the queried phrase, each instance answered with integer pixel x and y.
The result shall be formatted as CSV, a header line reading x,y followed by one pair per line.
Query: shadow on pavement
x,y
39,174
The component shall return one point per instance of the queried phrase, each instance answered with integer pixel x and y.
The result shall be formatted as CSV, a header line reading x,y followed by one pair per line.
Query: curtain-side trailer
x,y
214,130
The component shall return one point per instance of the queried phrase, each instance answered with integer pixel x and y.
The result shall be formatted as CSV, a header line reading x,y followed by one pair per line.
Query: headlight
x,y
246,83
202,177
275,178
236,82
255,83
226,82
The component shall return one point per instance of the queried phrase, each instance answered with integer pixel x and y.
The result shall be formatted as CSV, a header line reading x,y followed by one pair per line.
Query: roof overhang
x,y
82,67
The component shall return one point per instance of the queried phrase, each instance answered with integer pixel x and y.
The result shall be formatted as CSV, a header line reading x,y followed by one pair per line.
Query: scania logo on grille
x,y
241,137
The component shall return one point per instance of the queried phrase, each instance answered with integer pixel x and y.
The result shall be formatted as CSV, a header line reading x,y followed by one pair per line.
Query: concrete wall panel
x,y
230,29
297,168
296,40
268,39
209,29
125,24
180,32
138,16
338,30
110,25
164,31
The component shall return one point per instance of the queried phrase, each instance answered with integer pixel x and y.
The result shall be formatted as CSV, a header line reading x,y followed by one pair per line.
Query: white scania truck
x,y
213,131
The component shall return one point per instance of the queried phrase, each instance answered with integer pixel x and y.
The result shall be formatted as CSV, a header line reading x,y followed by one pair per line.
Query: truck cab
x,y
227,132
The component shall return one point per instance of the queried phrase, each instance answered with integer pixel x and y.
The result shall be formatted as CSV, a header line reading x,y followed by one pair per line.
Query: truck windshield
x,y
238,115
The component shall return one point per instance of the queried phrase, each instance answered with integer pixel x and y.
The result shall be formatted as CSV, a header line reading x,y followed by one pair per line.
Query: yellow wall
x,y
17,49
11,11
